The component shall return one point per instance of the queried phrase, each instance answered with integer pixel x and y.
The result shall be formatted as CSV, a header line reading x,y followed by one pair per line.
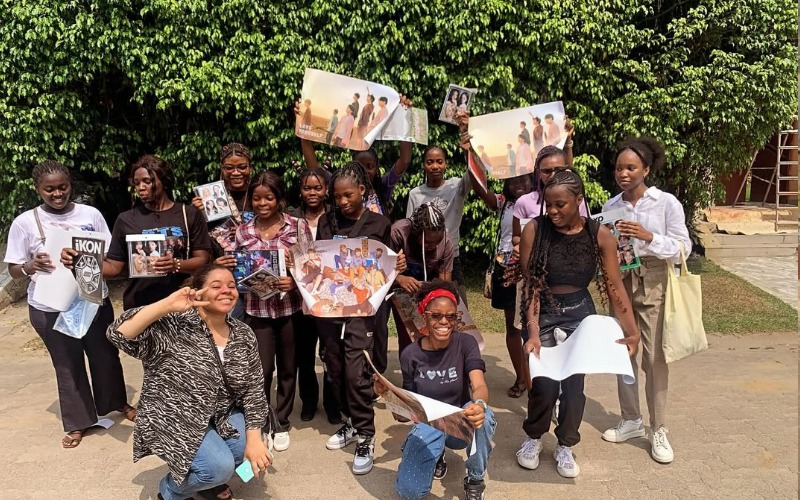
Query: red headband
x,y
439,292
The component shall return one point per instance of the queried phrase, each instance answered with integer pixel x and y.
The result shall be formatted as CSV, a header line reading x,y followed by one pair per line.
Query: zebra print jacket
x,y
183,389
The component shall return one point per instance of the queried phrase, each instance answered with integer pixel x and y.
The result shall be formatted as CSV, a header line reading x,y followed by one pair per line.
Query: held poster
x,y
343,278
343,111
506,143
627,254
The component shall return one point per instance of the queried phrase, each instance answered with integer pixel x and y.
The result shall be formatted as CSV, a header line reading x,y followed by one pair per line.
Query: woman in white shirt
x,y
80,401
658,226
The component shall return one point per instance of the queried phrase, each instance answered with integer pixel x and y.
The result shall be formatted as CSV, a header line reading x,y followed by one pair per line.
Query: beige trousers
x,y
647,287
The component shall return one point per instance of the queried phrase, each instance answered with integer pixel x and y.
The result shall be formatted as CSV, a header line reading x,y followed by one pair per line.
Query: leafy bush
x,y
96,83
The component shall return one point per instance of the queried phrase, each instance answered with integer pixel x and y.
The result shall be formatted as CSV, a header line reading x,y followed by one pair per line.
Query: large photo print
x,y
343,278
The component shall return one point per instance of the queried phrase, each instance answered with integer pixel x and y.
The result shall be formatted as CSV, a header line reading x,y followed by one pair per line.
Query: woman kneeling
x,y
203,403
445,365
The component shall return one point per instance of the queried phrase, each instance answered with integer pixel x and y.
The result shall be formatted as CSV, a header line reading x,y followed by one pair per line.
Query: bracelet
x,y
177,264
482,403
23,269
568,145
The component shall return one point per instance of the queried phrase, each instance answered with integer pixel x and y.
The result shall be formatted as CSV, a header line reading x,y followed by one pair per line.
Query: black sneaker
x,y
307,413
473,490
441,468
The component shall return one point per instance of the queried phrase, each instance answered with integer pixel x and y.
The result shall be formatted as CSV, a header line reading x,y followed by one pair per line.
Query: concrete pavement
x,y
734,428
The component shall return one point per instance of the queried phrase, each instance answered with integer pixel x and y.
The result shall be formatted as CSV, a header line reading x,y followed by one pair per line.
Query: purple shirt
x,y
529,206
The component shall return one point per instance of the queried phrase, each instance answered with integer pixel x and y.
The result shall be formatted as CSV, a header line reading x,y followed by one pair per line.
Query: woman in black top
x,y
152,179
561,252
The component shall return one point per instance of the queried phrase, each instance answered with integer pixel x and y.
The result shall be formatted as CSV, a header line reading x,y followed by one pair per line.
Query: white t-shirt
x,y
450,198
504,245
24,240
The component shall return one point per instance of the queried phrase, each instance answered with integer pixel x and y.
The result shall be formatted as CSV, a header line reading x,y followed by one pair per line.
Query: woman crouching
x,y
203,404
455,360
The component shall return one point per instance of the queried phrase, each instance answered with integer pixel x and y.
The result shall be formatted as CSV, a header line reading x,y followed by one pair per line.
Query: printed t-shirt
x,y
170,223
24,241
376,227
442,375
449,198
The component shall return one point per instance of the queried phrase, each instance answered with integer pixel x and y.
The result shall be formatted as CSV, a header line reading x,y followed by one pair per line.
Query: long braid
x,y
235,149
354,173
427,216
321,176
48,167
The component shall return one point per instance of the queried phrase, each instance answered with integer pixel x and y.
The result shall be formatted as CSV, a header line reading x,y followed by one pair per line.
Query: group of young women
x,y
209,351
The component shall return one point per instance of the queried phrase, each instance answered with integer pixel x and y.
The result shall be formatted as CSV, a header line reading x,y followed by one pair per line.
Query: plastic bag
x,y
76,320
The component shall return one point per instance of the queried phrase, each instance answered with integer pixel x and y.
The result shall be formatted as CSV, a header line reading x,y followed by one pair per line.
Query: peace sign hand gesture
x,y
185,299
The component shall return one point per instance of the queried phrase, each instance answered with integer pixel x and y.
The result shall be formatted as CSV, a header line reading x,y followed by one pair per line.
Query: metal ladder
x,y
785,184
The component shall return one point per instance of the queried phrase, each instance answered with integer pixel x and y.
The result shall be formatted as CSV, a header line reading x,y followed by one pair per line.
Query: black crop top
x,y
572,260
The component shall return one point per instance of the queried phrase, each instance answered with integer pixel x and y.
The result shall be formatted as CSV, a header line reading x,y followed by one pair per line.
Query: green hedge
x,y
95,83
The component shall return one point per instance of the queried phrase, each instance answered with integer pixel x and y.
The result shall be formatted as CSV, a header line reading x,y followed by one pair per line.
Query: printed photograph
x,y
215,200
507,142
249,262
456,98
143,251
407,125
627,255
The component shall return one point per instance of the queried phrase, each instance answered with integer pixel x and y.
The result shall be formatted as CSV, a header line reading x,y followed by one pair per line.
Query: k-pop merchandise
x,y
88,267
215,200
627,255
143,251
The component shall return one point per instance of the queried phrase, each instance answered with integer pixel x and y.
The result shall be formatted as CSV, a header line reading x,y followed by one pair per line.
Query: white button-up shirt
x,y
661,214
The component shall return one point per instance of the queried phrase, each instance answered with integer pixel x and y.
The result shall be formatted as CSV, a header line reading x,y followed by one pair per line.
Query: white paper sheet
x,y
59,288
591,348
105,423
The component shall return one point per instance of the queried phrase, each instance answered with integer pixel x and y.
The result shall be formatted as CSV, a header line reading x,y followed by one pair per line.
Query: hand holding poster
x,y
592,348
343,278
507,142
343,111
421,409
627,254
88,267
457,98
406,307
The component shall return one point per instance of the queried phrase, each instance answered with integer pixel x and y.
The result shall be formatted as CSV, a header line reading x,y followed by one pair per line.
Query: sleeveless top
x,y
571,259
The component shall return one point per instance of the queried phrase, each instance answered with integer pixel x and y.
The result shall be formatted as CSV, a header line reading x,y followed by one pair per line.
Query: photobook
x,y
88,267
143,252
627,254
216,204
258,271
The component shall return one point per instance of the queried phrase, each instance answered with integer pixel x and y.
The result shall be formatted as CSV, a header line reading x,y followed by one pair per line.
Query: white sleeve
x,y
667,246
18,249
101,226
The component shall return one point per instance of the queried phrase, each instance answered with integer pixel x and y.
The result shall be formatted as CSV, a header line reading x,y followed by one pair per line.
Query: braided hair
x,y
648,149
318,173
427,217
536,273
49,167
353,172
376,186
235,149
544,153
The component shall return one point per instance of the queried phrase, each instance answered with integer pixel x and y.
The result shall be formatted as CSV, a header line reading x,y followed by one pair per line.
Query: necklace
x,y
267,229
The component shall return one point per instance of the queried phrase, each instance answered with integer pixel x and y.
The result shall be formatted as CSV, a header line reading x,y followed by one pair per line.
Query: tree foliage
x,y
96,83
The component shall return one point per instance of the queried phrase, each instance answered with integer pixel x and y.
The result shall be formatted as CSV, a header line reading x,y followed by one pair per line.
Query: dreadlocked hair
x,y
353,172
536,273
648,149
545,152
427,216
235,149
318,173
49,167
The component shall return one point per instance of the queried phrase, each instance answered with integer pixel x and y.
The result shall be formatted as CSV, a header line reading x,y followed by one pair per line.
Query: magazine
x,y
506,143
457,98
143,251
343,278
215,200
407,125
406,307
225,233
248,265
343,111
262,282
421,409
88,267
627,254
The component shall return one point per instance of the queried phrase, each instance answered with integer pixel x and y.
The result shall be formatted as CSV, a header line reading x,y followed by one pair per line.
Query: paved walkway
x,y
775,275
734,427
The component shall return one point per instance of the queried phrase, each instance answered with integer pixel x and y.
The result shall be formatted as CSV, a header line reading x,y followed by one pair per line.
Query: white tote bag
x,y
684,333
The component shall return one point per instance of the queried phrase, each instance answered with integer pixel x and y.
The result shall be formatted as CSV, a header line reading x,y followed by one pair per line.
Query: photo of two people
x,y
457,98
507,142
143,251
627,255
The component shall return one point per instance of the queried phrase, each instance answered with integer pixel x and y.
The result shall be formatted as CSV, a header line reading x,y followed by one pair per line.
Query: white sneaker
x,y
364,455
660,449
566,464
528,454
344,436
624,430
281,441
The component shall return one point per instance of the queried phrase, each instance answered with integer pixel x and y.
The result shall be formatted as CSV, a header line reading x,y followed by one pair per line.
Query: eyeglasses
x,y
231,168
548,171
437,316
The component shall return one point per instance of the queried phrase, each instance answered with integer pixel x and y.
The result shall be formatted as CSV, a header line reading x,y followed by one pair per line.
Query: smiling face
x,y
549,165
55,190
221,292
563,207
313,191
265,203
434,164
236,171
349,197
630,171
148,189
519,186
440,330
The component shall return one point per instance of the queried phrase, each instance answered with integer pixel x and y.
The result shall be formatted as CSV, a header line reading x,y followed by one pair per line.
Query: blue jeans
x,y
213,465
423,447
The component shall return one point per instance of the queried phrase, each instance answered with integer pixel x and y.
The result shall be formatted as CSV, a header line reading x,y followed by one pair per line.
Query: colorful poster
x,y
457,98
627,255
407,125
343,278
88,267
406,307
343,111
215,200
507,142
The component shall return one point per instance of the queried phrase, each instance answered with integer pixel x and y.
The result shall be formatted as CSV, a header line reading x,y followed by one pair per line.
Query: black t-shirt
x,y
442,375
141,220
376,227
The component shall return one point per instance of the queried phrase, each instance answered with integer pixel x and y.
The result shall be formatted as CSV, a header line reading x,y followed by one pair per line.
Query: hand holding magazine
x,y
627,254
421,409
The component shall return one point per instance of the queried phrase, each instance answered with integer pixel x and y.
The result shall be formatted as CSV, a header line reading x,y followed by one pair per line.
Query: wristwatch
x,y
482,403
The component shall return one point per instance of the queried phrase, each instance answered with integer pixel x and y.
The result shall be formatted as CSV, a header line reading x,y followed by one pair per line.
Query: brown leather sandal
x,y
129,412
72,439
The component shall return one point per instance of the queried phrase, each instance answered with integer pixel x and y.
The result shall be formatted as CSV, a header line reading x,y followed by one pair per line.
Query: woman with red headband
x,y
445,365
